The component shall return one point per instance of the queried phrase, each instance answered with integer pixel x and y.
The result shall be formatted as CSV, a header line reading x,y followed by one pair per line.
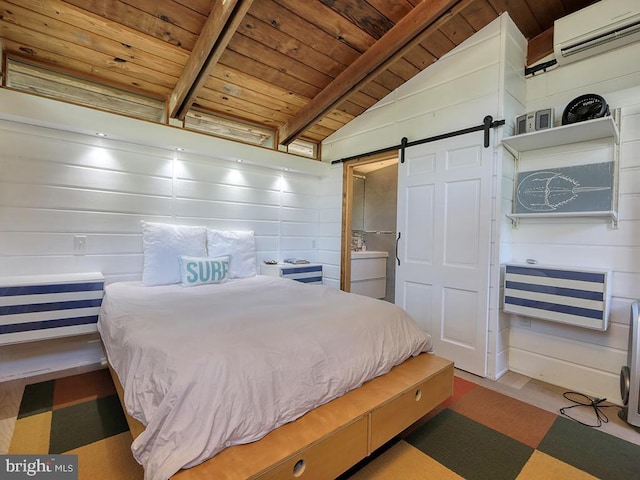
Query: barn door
x,y
444,225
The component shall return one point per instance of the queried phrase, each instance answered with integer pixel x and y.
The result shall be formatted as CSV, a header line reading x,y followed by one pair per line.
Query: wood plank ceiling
x,y
302,67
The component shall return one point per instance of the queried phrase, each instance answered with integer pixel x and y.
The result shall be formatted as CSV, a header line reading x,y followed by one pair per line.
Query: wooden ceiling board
x,y
362,15
304,31
159,27
350,108
288,65
222,91
57,36
91,64
282,56
331,22
389,79
234,107
419,57
232,79
404,69
479,14
457,29
438,44
520,12
267,73
201,6
171,12
84,22
290,47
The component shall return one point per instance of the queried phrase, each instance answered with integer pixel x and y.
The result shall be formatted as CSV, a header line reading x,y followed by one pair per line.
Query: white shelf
x,y
573,133
600,128
610,214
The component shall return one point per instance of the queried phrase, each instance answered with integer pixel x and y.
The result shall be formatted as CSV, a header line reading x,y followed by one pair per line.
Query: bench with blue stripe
x,y
39,307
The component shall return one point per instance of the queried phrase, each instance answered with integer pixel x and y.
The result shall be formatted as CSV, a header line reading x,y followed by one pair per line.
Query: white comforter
x,y
211,366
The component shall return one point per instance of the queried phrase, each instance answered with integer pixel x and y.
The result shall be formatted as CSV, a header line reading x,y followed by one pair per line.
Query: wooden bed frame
x,y
330,439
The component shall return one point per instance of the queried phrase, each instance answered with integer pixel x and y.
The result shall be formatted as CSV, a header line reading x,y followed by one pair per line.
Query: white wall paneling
x,y
575,358
453,93
60,181
57,185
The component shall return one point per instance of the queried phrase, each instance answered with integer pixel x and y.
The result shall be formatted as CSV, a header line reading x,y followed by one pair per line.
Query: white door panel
x,y
419,234
444,219
418,303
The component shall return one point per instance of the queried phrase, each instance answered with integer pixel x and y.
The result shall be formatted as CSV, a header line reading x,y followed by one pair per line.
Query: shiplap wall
x,y
581,359
58,184
513,104
330,225
456,92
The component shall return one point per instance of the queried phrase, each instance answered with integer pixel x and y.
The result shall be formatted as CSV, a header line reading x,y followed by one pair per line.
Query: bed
x,y
263,377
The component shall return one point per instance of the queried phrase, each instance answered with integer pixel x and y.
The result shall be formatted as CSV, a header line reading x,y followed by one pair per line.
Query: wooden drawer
x,y
392,418
326,459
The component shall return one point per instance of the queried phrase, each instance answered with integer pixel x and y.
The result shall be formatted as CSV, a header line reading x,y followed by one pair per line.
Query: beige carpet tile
x,y
31,434
404,462
542,466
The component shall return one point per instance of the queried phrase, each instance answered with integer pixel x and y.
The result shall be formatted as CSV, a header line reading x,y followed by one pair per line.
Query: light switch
x,y
80,243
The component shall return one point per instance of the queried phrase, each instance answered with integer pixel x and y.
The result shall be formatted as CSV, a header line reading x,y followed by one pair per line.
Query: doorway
x,y
369,222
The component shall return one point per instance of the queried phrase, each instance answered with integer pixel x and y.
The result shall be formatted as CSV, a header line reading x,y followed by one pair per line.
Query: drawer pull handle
x,y
298,468
418,395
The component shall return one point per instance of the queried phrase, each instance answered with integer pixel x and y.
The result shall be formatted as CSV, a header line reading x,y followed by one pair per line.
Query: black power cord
x,y
582,400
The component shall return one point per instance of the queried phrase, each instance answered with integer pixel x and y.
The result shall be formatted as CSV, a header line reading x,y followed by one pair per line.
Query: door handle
x,y
397,240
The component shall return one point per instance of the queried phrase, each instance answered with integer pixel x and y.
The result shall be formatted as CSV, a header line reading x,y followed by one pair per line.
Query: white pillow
x,y
163,244
201,270
240,246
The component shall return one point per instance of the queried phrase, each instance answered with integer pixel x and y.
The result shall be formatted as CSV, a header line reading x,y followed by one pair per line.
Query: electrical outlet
x,y
80,243
525,322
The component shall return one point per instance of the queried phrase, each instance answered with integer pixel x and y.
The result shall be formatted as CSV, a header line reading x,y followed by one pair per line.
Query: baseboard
x,y
567,375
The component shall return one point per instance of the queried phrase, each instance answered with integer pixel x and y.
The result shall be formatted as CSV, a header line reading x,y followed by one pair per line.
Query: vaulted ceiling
x,y
302,67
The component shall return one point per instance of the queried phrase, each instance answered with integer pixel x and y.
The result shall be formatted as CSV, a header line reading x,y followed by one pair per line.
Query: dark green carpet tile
x,y
598,453
470,449
37,398
85,423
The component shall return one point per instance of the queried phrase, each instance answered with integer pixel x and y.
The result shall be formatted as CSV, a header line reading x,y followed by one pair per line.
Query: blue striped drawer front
x,y
305,274
575,297
48,306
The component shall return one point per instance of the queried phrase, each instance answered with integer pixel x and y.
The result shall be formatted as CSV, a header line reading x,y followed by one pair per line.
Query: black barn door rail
x,y
487,124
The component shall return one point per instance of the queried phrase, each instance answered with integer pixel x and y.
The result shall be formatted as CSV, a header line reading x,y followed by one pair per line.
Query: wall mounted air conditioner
x,y
597,28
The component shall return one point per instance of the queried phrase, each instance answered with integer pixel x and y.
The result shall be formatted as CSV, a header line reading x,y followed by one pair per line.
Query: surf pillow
x,y
202,270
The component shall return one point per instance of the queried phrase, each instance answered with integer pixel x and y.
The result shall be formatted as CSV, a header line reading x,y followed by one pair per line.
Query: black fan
x,y
585,107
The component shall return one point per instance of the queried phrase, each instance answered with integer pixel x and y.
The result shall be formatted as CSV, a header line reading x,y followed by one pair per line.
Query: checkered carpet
x,y
77,415
479,434
476,434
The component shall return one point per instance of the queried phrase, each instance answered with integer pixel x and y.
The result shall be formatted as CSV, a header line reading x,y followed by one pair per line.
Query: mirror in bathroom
x,y
357,207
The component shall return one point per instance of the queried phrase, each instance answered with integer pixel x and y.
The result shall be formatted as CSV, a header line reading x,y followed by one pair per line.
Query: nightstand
x,y
310,273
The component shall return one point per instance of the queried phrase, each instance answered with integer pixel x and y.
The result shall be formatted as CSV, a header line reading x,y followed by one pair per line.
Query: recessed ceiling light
x,y
179,149
100,134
